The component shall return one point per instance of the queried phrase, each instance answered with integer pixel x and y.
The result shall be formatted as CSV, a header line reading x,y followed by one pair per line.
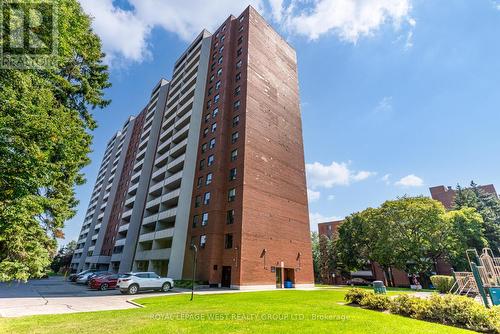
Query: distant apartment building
x,y
446,195
214,160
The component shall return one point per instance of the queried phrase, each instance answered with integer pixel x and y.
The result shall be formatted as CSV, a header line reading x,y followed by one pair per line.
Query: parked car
x,y
131,283
84,279
74,276
358,281
104,282
98,274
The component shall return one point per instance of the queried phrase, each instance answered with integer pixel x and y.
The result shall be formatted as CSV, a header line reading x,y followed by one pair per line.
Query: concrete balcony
x,y
87,230
183,121
116,257
101,215
91,249
150,219
79,250
179,148
81,240
163,147
120,242
168,215
171,196
130,201
133,188
153,203
138,165
141,154
166,233
98,259
127,214
135,177
123,228
98,226
162,159
181,134
147,236
154,254
176,164
159,173
95,236
186,107
173,181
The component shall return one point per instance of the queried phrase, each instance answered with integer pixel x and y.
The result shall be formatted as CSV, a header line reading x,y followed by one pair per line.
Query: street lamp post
x,y
195,257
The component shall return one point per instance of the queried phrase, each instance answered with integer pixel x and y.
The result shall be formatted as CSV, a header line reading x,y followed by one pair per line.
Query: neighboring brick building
x,y
218,162
446,195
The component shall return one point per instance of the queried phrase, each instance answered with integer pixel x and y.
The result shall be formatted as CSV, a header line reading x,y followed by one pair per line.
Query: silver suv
x,y
131,283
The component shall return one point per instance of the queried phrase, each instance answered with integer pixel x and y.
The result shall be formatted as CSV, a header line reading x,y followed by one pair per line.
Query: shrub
x,y
442,283
355,295
375,302
460,311
409,306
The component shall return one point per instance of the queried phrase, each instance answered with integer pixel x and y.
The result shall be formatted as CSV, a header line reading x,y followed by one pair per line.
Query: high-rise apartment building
x,y
215,160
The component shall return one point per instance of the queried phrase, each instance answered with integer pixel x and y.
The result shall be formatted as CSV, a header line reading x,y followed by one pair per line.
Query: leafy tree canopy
x,y
45,120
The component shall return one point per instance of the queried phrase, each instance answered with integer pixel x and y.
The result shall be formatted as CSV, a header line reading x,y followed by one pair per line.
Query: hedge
x,y
442,283
458,311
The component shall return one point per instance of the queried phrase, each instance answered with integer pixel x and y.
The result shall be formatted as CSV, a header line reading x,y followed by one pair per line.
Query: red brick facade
x,y
258,116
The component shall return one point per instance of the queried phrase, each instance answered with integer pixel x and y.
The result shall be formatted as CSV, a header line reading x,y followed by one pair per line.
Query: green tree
x,y
488,206
409,234
45,118
315,255
62,260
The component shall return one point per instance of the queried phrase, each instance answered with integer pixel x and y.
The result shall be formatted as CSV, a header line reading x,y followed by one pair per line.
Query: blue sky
x,y
396,95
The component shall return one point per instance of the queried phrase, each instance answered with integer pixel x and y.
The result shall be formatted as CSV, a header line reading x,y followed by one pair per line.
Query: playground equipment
x,y
483,280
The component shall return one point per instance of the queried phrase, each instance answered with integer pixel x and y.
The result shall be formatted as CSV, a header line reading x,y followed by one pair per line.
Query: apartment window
x,y
220,60
205,132
222,38
197,201
236,120
210,91
215,112
231,195
238,76
211,160
240,29
216,98
240,40
200,181
234,155
237,105
217,34
212,143
209,104
223,28
206,198
217,85
209,179
228,241
232,174
221,49
239,52
214,127
203,240
204,148
230,217
212,67
242,17
193,240
204,219
237,91
207,118
234,137
202,164
212,77
239,63
214,56
196,219
219,72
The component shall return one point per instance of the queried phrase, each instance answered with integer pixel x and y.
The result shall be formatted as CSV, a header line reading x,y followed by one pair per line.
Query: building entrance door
x,y
226,277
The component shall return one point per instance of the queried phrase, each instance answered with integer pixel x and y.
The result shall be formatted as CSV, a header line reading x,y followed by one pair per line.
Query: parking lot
x,y
56,295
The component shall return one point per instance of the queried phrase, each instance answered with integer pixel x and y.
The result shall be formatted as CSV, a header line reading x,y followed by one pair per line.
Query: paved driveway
x,y
55,295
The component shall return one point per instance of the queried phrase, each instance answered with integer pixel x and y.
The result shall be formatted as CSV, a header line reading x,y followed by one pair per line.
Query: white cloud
x,y
122,33
315,218
312,195
327,176
349,19
386,178
125,32
331,197
384,106
410,181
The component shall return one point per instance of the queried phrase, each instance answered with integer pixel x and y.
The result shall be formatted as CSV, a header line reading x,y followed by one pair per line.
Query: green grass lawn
x,y
290,311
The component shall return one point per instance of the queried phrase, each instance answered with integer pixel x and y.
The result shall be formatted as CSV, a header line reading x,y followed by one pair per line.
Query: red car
x,y
104,282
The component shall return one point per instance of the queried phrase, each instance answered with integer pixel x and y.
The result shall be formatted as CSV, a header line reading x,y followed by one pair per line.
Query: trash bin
x,y
288,284
495,296
379,287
